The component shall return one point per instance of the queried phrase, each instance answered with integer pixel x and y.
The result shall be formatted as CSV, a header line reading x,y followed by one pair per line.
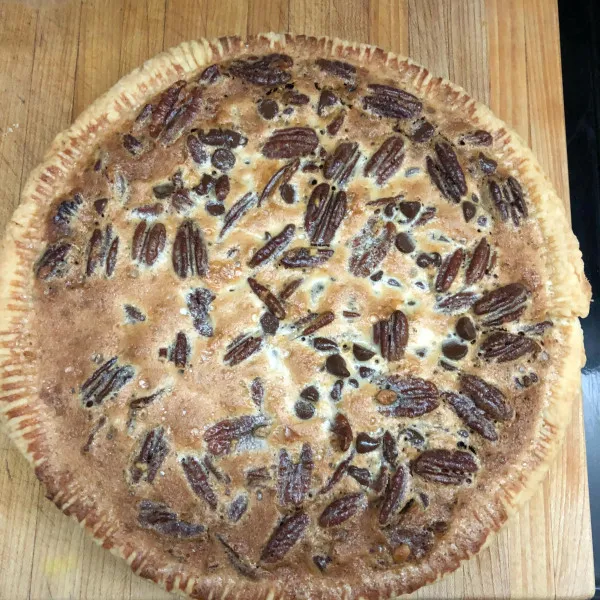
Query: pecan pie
x,y
289,317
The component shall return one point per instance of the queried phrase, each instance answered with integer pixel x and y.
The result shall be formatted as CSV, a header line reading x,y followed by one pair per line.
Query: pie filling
x,y
293,320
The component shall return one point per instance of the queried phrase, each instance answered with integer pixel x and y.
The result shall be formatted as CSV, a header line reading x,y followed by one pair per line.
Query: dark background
x,y
580,35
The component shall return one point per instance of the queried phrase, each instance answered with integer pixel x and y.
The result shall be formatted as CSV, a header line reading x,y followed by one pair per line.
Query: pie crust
x,y
90,329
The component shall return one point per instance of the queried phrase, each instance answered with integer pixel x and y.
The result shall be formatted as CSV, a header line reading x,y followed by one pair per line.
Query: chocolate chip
x,y
222,188
287,193
454,350
410,209
465,329
389,210
336,391
223,159
413,437
215,209
304,410
404,243
310,393
365,443
427,260
325,344
100,205
269,323
321,562
327,98
365,372
361,353
206,184
376,276
487,165
336,365
353,382
268,109
447,366
164,190
469,210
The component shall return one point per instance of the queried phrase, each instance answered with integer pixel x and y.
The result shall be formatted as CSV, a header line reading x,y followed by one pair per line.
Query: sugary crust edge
x,y
20,407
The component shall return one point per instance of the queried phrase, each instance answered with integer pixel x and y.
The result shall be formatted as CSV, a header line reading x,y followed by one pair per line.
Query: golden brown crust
x,y
562,295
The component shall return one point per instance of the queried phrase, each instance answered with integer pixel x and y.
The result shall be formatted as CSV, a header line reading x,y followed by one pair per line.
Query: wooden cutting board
x,y
57,56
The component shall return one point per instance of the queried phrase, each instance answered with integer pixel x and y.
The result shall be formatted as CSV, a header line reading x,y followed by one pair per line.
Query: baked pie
x,y
290,317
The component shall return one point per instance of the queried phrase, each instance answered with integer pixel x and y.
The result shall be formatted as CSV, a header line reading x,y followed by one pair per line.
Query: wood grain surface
x,y
57,56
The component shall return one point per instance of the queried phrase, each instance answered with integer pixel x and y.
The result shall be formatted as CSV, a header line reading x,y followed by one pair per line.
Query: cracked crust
x,y
560,291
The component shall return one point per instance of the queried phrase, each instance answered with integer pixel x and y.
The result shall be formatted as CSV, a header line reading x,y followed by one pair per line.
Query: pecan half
x,y
336,124
151,456
180,351
219,438
446,172
342,430
257,392
361,475
183,118
395,494
198,479
486,397
66,210
339,472
198,303
237,211
506,347
164,108
388,101
53,263
415,397
222,137
148,242
268,298
371,247
338,68
318,321
324,214
502,305
340,163
294,479
303,258
386,160
240,563
471,416
450,467
275,246
478,137
391,335
390,448
286,534
341,510
160,518
509,199
457,303
291,143
280,178
105,382
190,256
449,270
242,349
267,70
478,263
422,132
